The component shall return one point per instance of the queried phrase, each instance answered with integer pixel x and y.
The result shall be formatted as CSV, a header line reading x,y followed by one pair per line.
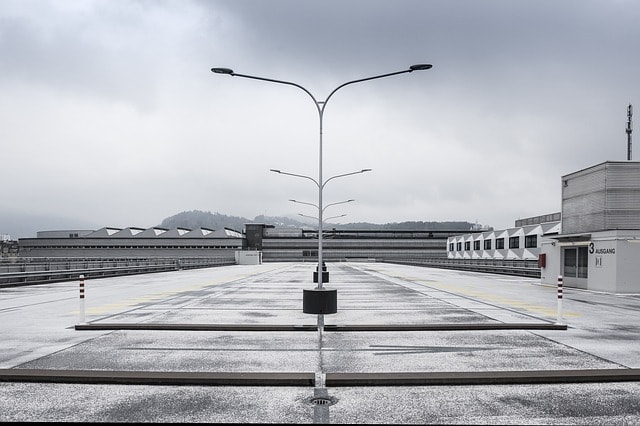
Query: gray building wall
x,y
603,197
129,247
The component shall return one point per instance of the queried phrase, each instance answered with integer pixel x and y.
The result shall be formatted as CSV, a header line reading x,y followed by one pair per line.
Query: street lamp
x,y
321,210
320,106
325,207
327,219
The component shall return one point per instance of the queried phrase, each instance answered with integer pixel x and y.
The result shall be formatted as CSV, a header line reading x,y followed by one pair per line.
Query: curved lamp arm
x,y
296,175
346,174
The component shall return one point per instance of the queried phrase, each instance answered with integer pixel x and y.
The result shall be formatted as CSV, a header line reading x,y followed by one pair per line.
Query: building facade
x,y
134,243
599,246
522,242
299,245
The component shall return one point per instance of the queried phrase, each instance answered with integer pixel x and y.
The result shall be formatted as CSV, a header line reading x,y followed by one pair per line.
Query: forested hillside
x,y
196,218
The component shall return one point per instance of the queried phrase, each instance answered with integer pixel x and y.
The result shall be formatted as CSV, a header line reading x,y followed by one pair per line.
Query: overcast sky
x,y
109,112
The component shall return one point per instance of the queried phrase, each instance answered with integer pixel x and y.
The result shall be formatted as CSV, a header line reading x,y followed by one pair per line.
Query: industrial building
x,y
593,243
295,245
599,246
134,243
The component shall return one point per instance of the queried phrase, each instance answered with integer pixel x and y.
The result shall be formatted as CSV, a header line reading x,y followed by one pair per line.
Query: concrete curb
x,y
482,377
181,378
342,328
462,378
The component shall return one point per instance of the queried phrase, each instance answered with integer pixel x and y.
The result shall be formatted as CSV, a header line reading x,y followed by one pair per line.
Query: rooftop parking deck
x,y
231,344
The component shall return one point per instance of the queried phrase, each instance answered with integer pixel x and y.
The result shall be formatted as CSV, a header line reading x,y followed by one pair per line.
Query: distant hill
x,y
196,218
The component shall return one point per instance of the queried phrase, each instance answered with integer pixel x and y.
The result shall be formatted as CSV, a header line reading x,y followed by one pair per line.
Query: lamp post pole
x,y
320,106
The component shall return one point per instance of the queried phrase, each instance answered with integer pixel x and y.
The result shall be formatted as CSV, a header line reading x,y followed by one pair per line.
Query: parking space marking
x,y
108,308
497,299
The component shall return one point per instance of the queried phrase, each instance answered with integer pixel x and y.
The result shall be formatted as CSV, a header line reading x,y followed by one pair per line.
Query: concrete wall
x,y
248,257
602,197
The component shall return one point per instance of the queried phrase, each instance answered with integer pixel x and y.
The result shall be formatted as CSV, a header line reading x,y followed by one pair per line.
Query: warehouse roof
x,y
134,232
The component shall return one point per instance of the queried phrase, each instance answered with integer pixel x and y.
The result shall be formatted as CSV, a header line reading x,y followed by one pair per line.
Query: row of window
x,y
363,244
530,241
414,254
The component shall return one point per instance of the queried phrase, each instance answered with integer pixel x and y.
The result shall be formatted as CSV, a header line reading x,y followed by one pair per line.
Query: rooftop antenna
x,y
629,114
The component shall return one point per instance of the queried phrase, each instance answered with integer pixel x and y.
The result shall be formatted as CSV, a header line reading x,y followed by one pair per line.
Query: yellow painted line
x,y
493,298
501,300
126,304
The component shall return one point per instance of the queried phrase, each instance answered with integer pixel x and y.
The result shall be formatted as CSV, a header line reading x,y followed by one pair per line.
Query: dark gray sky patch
x,y
113,104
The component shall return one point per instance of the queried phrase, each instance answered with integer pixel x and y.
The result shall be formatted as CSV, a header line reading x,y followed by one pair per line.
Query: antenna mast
x,y
629,114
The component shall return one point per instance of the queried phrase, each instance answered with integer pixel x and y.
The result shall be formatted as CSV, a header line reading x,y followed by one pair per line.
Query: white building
x,y
593,243
599,247
523,242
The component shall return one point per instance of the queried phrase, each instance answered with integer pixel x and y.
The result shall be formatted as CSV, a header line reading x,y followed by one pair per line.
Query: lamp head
x,y
228,71
420,67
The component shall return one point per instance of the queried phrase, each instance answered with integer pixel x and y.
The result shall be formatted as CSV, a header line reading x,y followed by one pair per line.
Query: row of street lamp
x,y
317,206
325,207
319,301
320,106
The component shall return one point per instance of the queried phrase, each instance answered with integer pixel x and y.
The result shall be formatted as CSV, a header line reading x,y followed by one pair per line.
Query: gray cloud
x,y
110,113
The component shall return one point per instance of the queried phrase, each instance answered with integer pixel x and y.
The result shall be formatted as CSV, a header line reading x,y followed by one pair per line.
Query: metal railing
x,y
28,271
524,268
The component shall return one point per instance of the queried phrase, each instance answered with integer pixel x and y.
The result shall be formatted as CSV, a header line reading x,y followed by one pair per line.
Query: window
x,y
514,242
499,243
476,245
467,245
583,262
575,262
459,246
487,244
451,246
530,241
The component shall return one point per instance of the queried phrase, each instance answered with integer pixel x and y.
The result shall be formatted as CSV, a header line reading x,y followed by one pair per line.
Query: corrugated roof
x,y
103,232
128,232
155,232
151,232
174,233
198,233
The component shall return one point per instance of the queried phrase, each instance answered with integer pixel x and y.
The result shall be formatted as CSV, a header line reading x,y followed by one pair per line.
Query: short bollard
x,y
324,274
81,299
559,321
320,301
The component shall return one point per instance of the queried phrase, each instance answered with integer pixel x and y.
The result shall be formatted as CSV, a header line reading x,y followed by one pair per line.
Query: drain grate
x,y
322,401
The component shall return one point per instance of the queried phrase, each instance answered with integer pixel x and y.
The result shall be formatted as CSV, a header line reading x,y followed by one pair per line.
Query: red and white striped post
x,y
82,299
559,299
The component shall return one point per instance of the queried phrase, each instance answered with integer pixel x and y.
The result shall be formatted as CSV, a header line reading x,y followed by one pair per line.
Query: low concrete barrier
x,y
522,268
29,271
